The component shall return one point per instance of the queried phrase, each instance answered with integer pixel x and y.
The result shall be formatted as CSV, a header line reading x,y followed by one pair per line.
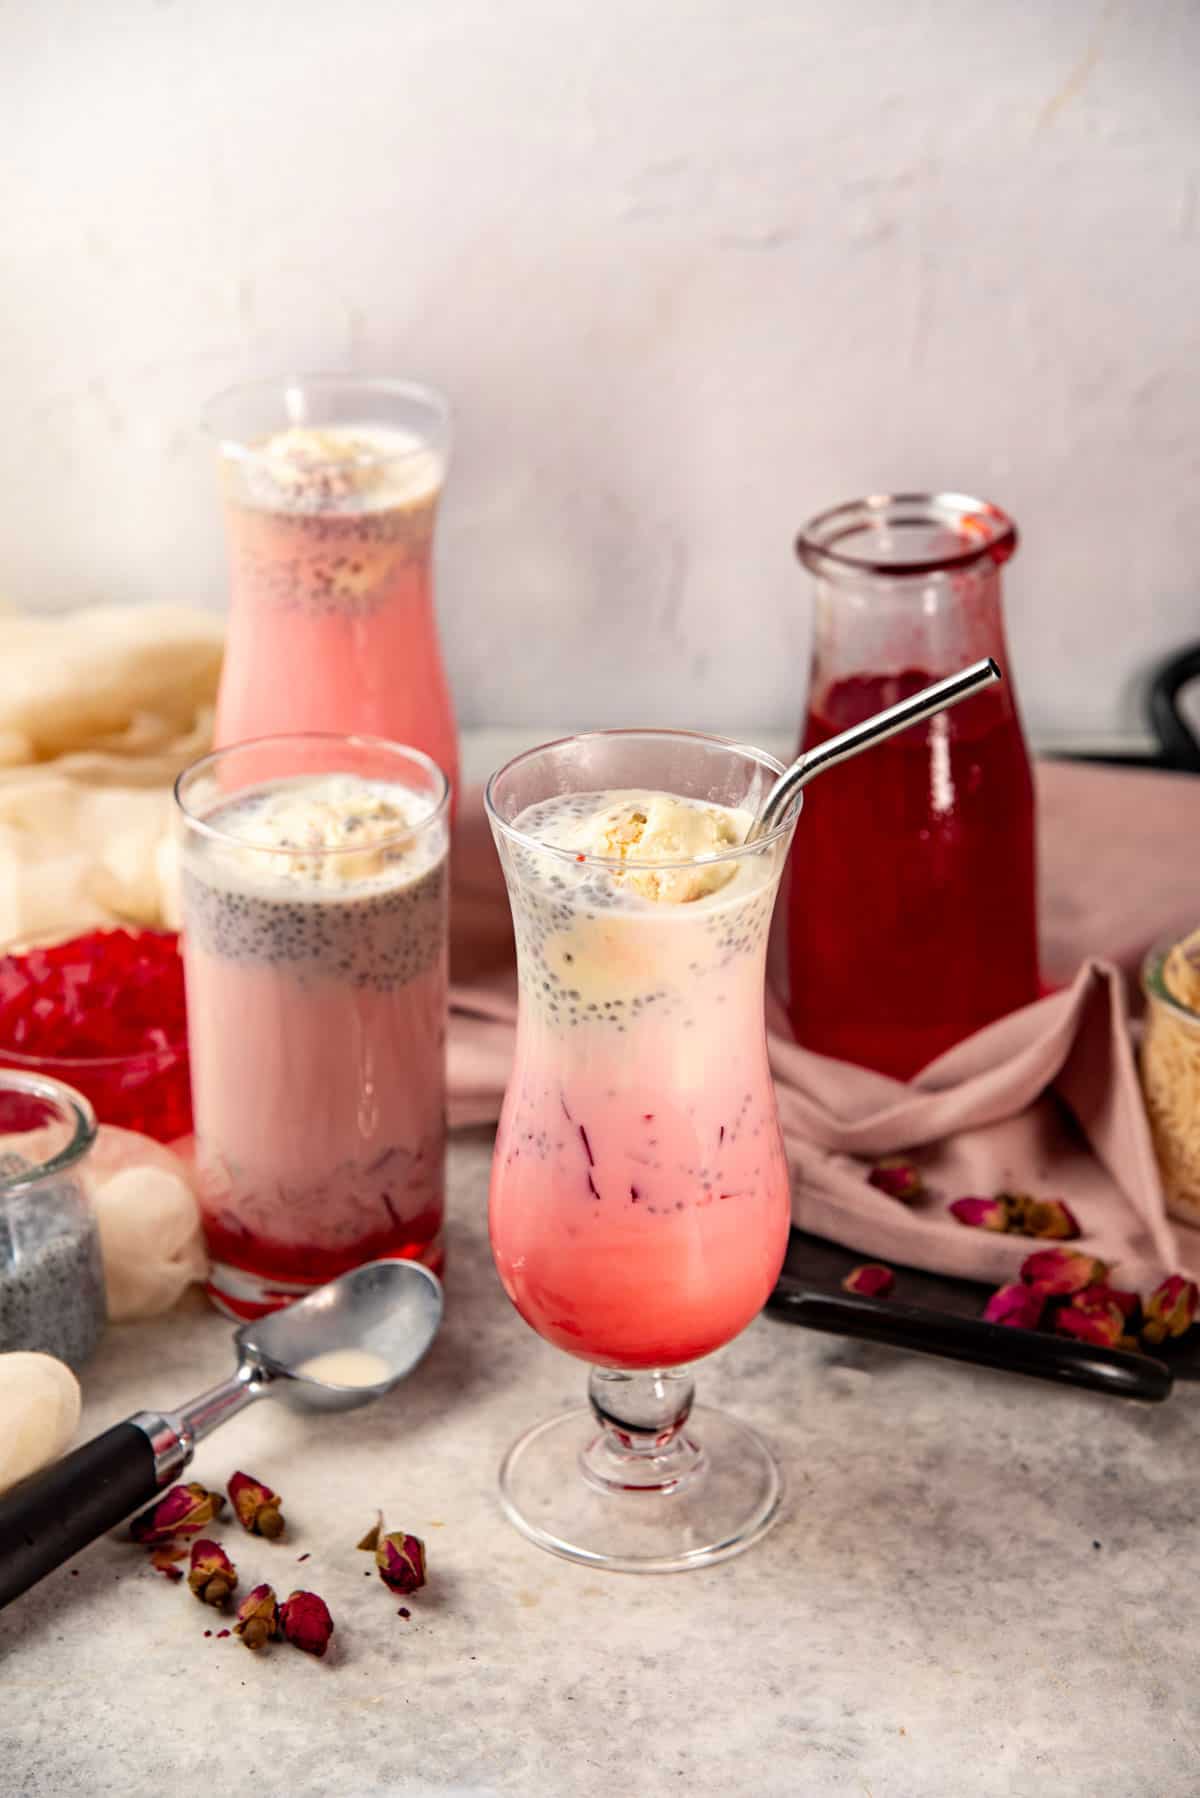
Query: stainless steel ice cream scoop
x,y
378,1320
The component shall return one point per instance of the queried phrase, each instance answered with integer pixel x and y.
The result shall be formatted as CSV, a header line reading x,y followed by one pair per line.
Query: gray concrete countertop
x,y
981,1587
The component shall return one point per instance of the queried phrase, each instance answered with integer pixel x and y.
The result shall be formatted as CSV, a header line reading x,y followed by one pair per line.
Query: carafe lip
x,y
988,534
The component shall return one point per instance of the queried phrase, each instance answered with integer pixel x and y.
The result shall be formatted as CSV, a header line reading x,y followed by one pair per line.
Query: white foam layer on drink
x,y
324,834
347,468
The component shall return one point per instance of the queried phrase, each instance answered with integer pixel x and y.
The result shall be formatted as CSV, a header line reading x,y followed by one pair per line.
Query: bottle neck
x,y
891,636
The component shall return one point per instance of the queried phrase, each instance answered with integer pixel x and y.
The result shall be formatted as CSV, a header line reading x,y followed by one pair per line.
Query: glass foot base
x,y
715,1494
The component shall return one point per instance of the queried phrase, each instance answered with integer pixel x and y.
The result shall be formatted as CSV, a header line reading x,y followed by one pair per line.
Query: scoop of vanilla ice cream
x,y
307,464
647,828
365,822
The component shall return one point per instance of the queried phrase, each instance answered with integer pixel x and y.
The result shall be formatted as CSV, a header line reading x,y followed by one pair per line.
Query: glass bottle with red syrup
x,y
912,908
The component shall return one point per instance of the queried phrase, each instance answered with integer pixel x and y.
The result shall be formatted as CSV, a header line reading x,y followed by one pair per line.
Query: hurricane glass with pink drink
x,y
331,485
640,1197
314,893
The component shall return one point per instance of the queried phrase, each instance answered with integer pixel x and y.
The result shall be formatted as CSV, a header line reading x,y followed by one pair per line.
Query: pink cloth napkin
x,y
1046,1100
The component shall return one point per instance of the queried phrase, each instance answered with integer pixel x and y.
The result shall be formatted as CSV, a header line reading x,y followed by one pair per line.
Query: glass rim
x,y
817,540
1155,987
239,449
72,1108
403,833
630,863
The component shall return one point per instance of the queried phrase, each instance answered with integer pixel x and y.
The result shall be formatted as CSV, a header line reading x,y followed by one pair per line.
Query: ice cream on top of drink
x,y
342,468
287,829
668,841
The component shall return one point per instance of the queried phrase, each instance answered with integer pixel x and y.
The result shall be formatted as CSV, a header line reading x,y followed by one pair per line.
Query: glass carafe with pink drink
x,y
640,1196
912,905
331,486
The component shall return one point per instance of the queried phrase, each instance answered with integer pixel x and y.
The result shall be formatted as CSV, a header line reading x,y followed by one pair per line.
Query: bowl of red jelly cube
x,y
103,1011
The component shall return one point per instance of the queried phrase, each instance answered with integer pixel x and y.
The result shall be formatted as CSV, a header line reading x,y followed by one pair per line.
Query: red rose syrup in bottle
x,y
912,905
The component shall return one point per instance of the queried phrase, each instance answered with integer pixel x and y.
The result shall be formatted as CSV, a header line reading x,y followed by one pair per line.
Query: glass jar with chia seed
x,y
51,1273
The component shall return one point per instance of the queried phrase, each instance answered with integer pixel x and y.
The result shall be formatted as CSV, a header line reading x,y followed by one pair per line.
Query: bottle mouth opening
x,y
30,1102
905,535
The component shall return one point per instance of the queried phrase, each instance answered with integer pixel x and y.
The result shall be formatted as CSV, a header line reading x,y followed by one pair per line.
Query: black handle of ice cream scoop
x,y
1058,1358
53,1514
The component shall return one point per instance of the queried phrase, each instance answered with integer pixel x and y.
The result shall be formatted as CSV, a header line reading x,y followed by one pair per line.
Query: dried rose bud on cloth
x,y
898,1177
1018,1214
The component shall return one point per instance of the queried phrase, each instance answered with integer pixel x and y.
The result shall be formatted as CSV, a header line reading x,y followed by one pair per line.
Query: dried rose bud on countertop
x,y
259,1509
257,1618
305,1621
400,1559
183,1511
213,1575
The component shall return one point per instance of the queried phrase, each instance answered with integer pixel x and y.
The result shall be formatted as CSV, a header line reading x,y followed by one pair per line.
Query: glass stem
x,y
642,1443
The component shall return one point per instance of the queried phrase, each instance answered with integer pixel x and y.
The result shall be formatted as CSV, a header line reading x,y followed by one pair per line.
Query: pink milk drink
x,y
640,1198
331,486
314,890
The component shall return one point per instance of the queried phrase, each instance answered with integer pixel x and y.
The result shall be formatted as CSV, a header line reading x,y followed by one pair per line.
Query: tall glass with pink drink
x,y
331,486
640,1194
314,893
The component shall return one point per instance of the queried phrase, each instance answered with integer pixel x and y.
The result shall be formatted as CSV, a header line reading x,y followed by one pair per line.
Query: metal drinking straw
x,y
936,698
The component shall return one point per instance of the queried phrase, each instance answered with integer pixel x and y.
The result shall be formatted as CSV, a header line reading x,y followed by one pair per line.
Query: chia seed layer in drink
x,y
250,899
593,949
324,521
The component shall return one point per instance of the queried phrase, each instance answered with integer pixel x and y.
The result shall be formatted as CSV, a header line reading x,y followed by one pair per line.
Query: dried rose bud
x,y
1060,1271
213,1575
872,1281
183,1511
1047,1218
898,1177
1171,1308
401,1562
257,1617
1127,1303
1097,1322
305,1621
980,1214
259,1509
1018,1305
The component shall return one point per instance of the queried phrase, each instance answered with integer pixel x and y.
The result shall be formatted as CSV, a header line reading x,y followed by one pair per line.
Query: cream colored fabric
x,y
99,711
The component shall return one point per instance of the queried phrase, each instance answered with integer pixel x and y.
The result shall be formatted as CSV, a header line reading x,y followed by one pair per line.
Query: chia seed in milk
x,y
51,1272
601,943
